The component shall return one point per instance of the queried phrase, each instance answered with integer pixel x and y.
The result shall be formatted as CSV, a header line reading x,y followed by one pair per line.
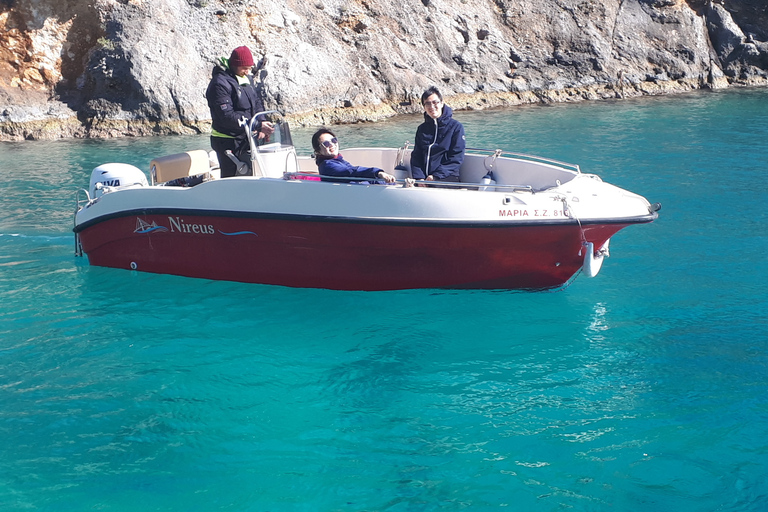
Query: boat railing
x,y
80,203
524,156
419,183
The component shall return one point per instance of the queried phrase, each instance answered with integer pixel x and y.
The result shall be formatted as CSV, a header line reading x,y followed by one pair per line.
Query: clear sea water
x,y
645,388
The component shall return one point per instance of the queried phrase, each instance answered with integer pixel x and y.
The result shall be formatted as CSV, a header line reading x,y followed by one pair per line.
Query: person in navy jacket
x,y
232,95
331,164
439,149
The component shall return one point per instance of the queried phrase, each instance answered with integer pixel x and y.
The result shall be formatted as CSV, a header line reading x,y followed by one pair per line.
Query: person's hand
x,y
386,177
267,128
408,182
430,178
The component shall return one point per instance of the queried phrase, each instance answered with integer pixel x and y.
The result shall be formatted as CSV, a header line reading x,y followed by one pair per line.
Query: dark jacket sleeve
x,y
338,167
454,156
418,155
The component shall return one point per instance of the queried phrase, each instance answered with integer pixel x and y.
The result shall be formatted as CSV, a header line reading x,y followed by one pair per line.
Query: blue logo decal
x,y
239,233
145,227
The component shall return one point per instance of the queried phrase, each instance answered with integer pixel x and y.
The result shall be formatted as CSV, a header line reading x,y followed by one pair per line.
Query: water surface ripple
x,y
642,389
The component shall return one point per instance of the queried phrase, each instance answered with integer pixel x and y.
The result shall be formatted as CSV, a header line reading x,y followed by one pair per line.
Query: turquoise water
x,y
645,388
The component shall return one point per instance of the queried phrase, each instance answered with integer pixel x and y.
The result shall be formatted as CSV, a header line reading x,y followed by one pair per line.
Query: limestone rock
x,y
104,68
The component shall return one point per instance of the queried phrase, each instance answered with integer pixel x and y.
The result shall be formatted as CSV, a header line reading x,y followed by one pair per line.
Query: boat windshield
x,y
280,138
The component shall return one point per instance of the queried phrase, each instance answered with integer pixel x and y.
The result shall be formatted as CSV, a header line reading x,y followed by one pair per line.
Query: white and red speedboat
x,y
514,222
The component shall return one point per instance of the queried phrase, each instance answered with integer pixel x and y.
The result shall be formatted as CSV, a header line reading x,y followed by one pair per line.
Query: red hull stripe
x,y
343,254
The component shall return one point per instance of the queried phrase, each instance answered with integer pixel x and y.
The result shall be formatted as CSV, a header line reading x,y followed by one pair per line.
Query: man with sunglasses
x,y
439,149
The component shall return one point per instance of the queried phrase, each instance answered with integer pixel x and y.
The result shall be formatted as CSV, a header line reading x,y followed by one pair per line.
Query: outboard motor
x,y
115,175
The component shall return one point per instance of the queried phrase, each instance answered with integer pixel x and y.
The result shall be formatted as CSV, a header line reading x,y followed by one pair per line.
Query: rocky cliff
x,y
101,68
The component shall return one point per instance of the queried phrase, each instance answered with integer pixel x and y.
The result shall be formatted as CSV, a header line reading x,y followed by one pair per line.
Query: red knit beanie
x,y
241,56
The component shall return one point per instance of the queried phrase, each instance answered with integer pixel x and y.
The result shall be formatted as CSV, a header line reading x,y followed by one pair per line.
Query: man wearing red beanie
x,y
231,96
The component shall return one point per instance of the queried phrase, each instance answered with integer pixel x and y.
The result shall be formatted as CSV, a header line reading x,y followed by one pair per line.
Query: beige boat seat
x,y
387,159
180,165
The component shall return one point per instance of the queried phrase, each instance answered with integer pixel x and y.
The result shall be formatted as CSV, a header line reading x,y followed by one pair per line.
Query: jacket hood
x,y
220,69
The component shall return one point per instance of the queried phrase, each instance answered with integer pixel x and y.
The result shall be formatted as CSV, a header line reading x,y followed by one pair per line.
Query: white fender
x,y
593,260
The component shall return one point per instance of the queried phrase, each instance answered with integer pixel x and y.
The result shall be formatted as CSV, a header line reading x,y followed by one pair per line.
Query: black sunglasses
x,y
327,143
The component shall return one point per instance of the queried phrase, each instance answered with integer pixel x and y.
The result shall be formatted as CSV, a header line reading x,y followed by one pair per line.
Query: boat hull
x,y
528,228
344,254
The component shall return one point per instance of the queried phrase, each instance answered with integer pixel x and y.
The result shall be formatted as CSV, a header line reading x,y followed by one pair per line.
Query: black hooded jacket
x,y
229,101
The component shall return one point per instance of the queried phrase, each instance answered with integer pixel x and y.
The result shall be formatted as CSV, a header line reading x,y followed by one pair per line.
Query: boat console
x,y
274,155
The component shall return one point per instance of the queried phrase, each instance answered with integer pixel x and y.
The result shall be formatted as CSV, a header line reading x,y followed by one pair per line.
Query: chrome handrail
x,y
80,203
525,156
419,183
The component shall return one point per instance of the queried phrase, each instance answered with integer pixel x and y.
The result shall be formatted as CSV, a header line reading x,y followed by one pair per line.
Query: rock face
x,y
102,68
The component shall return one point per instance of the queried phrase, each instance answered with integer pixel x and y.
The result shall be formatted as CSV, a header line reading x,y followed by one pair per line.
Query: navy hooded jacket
x,y
338,167
439,148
